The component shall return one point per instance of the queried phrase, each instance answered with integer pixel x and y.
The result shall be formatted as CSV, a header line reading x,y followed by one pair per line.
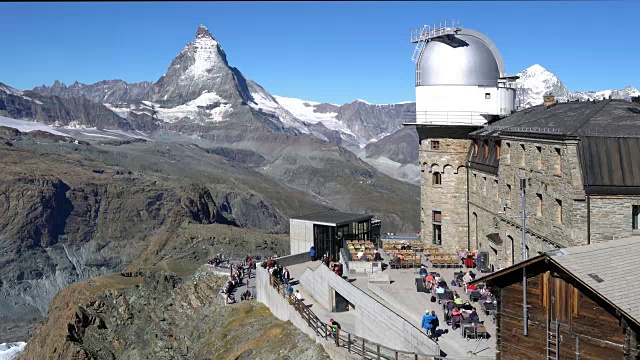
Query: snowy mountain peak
x,y
535,82
203,32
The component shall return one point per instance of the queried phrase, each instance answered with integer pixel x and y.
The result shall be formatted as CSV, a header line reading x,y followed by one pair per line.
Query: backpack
x,y
435,322
433,298
453,283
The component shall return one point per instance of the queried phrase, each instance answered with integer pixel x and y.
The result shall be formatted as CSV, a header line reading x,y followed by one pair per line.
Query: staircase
x,y
553,339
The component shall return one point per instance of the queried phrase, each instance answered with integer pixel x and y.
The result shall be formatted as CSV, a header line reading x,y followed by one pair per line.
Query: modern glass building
x,y
326,231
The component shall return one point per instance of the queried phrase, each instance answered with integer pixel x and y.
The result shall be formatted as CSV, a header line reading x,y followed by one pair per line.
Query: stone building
x,y
581,162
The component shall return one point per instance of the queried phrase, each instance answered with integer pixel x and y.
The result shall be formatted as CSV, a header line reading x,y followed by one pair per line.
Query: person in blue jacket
x,y
426,322
312,253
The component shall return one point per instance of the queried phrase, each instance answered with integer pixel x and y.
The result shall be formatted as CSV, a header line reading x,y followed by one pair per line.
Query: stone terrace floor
x,y
402,297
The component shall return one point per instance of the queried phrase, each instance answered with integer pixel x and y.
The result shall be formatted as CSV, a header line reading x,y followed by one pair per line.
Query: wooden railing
x,y
353,343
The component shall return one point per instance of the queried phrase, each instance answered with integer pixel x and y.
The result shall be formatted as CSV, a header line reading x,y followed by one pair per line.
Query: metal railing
x,y
342,338
427,32
447,117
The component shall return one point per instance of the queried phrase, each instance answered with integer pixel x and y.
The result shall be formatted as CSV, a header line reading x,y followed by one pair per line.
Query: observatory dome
x,y
460,59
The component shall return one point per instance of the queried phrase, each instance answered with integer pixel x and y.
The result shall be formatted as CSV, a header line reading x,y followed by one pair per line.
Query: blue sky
x,y
323,51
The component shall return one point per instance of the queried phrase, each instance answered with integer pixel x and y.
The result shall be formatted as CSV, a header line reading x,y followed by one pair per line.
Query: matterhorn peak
x,y
203,32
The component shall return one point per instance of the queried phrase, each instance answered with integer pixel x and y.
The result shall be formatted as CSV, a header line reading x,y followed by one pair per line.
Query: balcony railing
x,y
446,117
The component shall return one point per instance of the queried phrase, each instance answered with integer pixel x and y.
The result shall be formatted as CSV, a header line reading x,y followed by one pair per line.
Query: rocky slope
x,y
70,210
61,111
163,315
106,91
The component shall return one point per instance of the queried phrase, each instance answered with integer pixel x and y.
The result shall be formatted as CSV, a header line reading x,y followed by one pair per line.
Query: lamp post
x,y
525,315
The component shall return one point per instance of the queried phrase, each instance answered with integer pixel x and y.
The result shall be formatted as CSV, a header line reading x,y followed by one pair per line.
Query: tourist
x,y
462,255
363,248
469,261
434,325
286,276
351,247
360,255
298,295
426,322
377,256
467,279
289,289
340,270
312,253
423,272
456,317
467,307
440,289
473,314
458,300
429,281
473,276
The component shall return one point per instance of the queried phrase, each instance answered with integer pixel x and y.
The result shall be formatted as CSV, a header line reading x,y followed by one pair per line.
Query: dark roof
x,y
608,132
592,267
606,118
610,165
333,217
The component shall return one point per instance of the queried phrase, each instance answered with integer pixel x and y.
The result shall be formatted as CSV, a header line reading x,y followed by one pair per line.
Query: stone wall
x,y
611,217
495,201
450,197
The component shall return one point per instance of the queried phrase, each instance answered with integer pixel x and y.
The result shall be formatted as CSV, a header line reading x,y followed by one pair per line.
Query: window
x,y
558,162
524,156
508,195
498,150
435,145
437,178
636,217
437,234
475,182
437,228
539,205
559,211
486,149
475,147
495,185
508,155
437,216
539,154
487,96
484,185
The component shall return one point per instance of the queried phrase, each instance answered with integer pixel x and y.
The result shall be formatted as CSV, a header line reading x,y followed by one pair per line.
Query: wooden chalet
x,y
583,303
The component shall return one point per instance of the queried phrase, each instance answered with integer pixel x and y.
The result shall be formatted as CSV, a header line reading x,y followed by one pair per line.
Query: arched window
x,y
437,178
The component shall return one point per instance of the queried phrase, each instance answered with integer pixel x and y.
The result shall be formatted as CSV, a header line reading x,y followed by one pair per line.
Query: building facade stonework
x,y
582,182
443,158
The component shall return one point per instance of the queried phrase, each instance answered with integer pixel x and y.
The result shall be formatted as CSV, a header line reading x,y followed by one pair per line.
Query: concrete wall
x,y
376,322
300,236
293,259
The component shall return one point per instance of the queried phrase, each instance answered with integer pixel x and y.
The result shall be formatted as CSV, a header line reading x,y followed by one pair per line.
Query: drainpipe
x,y
588,220
468,208
525,315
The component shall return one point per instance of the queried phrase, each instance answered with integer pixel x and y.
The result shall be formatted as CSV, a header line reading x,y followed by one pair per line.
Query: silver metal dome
x,y
466,58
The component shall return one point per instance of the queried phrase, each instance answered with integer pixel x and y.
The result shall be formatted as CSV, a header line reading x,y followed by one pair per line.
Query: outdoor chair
x,y
481,331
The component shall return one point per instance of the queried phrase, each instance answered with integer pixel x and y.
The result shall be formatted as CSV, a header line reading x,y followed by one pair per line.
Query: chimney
x,y
549,99
635,99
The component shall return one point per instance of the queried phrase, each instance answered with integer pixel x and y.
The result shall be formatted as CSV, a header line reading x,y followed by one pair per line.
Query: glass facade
x,y
329,239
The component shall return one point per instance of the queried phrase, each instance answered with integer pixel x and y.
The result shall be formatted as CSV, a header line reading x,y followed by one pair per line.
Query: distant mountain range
x,y
200,90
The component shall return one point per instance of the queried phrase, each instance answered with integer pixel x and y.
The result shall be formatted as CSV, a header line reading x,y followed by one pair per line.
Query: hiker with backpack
x,y
434,326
